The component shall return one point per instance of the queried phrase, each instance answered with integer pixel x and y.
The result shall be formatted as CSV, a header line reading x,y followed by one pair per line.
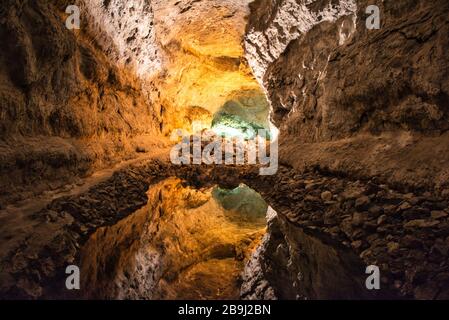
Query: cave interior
x,y
95,95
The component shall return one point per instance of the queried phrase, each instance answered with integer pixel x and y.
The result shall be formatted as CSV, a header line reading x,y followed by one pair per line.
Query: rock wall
x,y
274,24
72,100
292,265
125,31
347,98
328,229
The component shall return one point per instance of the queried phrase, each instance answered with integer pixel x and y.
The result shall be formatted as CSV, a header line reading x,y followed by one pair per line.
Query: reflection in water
x,y
184,244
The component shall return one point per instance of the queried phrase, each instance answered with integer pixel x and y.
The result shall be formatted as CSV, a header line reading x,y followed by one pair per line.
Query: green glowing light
x,y
233,126
243,200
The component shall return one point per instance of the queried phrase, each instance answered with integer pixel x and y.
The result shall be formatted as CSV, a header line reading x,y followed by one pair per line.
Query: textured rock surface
x,y
38,243
181,244
322,246
204,63
125,31
363,117
348,98
292,265
404,233
69,105
274,24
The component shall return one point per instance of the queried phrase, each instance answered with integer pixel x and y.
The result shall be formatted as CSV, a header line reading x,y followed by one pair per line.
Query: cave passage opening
x,y
243,116
190,243
206,82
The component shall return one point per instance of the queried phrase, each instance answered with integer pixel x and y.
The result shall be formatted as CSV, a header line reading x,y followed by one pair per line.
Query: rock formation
x,y
353,100
71,102
86,117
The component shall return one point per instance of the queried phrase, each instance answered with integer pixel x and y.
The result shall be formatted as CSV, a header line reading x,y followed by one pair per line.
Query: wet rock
x,y
311,198
370,225
19,262
356,244
366,254
389,209
346,226
416,213
358,218
414,201
372,237
441,247
445,193
358,234
397,284
410,241
427,291
30,287
351,193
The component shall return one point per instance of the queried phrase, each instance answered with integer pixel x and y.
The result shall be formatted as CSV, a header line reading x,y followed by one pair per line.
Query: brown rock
x,y
410,241
375,211
392,246
438,214
445,193
420,223
346,226
362,203
356,244
381,220
404,206
326,196
358,218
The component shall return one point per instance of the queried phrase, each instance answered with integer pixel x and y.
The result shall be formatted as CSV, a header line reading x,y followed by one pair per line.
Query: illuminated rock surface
x,y
352,100
182,245
85,117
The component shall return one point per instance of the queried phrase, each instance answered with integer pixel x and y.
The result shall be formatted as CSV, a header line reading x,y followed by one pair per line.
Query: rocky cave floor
x,y
404,232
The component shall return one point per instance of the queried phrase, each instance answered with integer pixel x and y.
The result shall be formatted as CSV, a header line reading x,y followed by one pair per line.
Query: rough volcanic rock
x,y
125,31
71,99
289,264
347,98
